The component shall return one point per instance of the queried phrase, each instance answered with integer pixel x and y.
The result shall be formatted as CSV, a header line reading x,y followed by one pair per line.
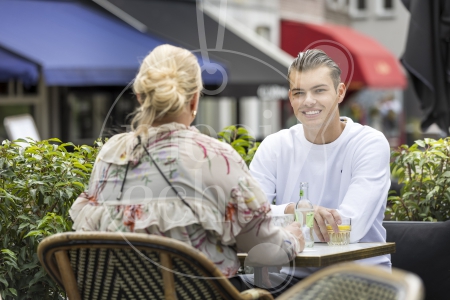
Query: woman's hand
x,y
290,209
296,230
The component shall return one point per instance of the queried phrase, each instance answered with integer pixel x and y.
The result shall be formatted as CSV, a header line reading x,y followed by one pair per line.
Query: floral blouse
x,y
231,211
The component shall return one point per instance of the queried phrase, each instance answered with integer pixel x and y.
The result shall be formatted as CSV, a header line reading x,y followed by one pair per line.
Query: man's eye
x,y
320,90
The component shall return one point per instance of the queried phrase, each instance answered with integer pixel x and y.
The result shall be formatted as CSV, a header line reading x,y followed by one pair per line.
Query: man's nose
x,y
309,100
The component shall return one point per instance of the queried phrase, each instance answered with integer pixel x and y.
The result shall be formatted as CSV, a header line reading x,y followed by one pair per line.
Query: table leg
x,y
258,276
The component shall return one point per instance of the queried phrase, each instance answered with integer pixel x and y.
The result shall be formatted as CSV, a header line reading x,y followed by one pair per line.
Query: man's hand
x,y
296,230
331,216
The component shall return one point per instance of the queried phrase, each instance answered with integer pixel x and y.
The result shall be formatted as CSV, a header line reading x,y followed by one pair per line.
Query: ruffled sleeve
x,y
257,233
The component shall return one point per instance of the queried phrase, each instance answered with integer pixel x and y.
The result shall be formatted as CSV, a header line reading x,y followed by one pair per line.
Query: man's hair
x,y
312,59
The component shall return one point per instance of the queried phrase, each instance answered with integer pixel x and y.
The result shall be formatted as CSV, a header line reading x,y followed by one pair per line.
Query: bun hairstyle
x,y
168,79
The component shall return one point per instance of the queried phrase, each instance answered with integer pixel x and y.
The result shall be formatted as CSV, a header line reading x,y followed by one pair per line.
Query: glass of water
x,y
343,236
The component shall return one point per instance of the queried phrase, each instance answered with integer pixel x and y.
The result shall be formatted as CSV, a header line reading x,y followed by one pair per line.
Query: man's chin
x,y
312,124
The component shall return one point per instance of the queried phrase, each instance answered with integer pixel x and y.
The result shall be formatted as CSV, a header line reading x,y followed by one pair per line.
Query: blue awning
x,y
14,67
75,45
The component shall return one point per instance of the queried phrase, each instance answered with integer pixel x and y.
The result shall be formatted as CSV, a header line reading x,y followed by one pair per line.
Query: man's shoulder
x,y
362,133
365,131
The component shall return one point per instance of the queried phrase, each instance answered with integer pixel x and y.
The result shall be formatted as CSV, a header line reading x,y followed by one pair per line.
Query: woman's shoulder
x,y
208,140
115,149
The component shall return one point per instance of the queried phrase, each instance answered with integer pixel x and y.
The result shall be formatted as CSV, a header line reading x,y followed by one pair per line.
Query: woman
x,y
167,178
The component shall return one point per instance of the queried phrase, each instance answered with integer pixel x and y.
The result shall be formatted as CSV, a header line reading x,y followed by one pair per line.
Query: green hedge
x,y
38,183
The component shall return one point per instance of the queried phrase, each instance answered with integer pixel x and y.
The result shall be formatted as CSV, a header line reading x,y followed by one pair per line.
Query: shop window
x,y
15,87
30,90
3,88
12,110
92,114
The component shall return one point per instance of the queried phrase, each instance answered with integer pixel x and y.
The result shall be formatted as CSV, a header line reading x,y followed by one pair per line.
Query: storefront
x,y
67,62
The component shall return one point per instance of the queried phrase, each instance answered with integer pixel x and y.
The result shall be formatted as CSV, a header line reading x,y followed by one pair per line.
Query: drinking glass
x,y
343,236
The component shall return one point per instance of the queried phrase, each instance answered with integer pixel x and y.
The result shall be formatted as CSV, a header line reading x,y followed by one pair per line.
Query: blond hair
x,y
168,79
312,59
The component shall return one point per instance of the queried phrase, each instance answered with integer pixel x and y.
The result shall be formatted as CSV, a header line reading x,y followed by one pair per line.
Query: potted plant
x,y
424,171
240,139
38,183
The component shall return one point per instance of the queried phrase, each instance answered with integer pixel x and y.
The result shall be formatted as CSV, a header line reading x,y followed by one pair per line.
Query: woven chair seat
x,y
121,274
104,266
348,287
351,281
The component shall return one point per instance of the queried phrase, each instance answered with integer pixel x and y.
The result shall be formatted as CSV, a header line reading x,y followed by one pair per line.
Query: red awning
x,y
364,62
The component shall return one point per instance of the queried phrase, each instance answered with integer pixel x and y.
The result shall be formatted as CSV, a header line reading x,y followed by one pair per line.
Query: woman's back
x,y
210,175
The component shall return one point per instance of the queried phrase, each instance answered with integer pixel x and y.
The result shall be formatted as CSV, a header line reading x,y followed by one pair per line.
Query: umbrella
x,y
427,59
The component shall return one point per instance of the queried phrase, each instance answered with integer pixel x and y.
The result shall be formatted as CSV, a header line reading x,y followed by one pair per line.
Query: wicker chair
x,y
103,265
352,281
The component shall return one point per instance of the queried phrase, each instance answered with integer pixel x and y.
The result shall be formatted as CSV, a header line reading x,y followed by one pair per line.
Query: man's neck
x,y
326,134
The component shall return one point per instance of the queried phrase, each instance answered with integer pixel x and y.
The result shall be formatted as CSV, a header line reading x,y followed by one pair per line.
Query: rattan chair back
x,y
351,281
101,265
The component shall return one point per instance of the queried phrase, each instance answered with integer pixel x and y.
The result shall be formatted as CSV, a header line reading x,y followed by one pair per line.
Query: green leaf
x,y
54,140
3,280
77,183
34,233
420,143
80,166
438,153
8,252
37,276
23,225
13,291
79,173
48,199
240,150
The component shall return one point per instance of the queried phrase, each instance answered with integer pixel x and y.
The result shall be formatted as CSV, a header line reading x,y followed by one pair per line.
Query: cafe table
x,y
322,255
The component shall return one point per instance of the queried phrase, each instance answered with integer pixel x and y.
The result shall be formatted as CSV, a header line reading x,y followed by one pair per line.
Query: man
x,y
346,164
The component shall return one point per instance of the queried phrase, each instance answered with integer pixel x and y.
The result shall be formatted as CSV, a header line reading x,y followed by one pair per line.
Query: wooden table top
x,y
322,255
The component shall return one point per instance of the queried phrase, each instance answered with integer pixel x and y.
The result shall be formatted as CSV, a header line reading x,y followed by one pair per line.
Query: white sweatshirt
x,y
351,175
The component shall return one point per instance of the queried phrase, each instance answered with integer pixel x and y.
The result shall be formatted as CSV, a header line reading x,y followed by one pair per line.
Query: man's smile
x,y
311,112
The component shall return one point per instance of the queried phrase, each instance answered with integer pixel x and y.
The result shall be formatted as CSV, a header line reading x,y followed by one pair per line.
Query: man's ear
x,y
341,92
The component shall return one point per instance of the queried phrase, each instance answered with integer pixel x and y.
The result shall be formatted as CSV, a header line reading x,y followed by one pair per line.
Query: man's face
x,y
313,96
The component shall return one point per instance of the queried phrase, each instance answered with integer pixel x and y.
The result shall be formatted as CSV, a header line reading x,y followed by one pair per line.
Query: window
x,y
87,116
12,110
385,8
361,5
3,88
355,8
358,9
